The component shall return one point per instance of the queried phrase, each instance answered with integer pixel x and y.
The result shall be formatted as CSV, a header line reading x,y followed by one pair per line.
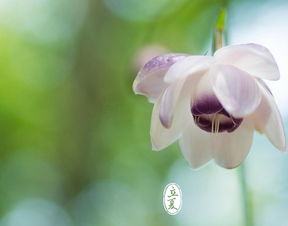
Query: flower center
x,y
210,116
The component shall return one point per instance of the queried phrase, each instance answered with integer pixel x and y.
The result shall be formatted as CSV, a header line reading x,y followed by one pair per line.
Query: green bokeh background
x,y
74,139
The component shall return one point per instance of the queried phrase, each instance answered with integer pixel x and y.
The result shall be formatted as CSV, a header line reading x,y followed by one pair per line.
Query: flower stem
x,y
218,40
247,205
246,198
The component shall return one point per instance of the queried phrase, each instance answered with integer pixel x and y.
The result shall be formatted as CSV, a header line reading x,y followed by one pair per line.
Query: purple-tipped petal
x,y
162,61
236,90
252,58
149,81
188,66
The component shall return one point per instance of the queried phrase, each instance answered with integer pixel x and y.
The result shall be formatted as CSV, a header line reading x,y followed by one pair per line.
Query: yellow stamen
x,y
214,123
217,124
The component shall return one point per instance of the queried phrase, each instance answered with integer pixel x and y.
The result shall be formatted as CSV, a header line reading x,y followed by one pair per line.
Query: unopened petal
x,y
149,81
172,112
161,137
236,90
230,149
181,90
195,146
188,66
252,58
168,102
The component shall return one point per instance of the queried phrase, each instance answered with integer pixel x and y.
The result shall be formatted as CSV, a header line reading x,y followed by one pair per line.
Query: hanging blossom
x,y
212,104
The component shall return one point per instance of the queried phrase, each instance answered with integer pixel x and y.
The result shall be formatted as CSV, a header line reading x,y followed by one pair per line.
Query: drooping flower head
x,y
212,104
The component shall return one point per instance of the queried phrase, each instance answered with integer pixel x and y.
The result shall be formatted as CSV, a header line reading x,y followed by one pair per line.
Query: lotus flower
x,y
212,104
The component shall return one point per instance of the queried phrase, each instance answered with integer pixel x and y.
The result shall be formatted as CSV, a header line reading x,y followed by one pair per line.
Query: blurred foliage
x,y
74,139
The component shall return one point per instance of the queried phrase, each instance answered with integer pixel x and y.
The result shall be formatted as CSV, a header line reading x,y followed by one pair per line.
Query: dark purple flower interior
x,y
209,115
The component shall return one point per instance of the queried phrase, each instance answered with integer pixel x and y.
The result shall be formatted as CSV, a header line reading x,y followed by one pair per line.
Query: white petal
x,y
187,66
195,146
168,101
162,137
262,113
252,58
230,149
149,81
173,111
236,90
273,124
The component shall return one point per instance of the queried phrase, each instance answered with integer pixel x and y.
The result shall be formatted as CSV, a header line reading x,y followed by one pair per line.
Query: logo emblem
x,y
172,198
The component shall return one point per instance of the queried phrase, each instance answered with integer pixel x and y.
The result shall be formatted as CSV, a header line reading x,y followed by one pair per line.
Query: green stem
x,y
246,198
218,40
247,204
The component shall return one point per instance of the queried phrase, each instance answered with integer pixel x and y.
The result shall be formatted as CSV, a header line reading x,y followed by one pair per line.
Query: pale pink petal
x,y
252,58
271,120
180,89
230,149
162,137
195,146
172,112
237,91
168,101
262,113
188,66
149,81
